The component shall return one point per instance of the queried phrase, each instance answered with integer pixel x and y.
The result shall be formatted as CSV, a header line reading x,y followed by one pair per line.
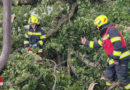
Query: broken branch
x,y
63,20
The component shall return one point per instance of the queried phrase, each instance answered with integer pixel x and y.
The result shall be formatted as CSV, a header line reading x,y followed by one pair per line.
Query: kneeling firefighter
x,y
35,36
115,47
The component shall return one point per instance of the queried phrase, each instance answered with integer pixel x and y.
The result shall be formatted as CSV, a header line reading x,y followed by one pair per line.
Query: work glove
x,y
116,62
83,40
30,52
25,48
34,45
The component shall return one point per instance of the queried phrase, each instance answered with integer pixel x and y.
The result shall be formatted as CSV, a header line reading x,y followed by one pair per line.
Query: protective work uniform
x,y
35,37
115,47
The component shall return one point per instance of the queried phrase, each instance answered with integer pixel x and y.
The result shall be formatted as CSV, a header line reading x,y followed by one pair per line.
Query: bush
x,y
23,73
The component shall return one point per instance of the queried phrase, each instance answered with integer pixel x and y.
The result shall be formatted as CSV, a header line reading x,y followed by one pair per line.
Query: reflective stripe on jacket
x,y
107,42
34,37
113,43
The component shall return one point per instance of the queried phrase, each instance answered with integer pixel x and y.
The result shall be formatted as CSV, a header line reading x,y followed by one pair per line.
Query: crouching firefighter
x,y
115,47
35,36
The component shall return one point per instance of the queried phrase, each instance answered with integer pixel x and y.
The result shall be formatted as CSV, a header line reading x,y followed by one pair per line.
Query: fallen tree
x,y
63,20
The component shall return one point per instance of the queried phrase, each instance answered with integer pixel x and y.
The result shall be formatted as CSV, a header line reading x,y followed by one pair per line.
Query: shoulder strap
x,y
108,29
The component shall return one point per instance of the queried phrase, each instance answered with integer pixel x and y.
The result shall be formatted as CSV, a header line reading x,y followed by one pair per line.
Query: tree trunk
x,y
6,33
58,58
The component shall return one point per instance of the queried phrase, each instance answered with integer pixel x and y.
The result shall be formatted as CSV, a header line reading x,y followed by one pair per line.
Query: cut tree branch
x,y
86,61
115,84
63,20
54,74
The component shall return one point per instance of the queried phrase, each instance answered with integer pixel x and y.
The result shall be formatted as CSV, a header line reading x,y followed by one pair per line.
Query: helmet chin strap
x,y
98,29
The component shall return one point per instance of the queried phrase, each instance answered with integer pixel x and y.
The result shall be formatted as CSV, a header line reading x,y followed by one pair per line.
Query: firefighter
x,y
115,47
35,36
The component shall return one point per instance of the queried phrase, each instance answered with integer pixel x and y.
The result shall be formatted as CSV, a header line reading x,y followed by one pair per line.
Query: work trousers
x,y
121,71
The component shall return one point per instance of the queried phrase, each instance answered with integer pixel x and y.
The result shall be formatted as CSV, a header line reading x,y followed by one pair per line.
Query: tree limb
x,y
58,58
73,69
68,62
54,74
69,66
86,61
25,79
92,85
63,20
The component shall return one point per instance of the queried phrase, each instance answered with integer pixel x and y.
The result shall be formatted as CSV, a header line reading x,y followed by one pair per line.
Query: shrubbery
x,y
22,73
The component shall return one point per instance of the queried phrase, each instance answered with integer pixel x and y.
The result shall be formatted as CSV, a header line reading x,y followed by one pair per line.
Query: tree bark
x,y
1,4
1,23
58,58
6,33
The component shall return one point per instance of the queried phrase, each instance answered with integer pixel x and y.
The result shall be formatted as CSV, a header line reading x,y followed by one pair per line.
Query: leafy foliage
x,y
23,73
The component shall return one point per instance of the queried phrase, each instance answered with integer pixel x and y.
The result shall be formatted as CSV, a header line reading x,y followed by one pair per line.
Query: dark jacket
x,y
117,45
34,37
